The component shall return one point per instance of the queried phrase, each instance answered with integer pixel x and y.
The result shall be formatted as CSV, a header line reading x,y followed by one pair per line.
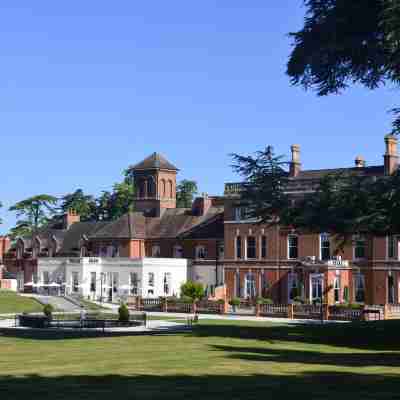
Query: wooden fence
x,y
291,311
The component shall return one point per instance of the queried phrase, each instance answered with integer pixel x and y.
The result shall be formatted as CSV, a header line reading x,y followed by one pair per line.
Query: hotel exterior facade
x,y
226,250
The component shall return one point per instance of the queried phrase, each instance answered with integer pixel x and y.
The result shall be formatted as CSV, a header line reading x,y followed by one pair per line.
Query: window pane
x,y
239,247
325,247
263,247
292,244
251,247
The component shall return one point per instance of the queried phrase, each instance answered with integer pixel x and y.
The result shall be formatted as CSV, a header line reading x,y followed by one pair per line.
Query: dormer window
x,y
178,251
201,252
156,251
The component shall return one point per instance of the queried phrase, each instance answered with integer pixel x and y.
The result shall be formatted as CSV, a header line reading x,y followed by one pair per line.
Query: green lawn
x,y
219,360
10,302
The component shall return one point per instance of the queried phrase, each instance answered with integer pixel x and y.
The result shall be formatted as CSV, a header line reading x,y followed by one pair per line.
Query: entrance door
x,y
316,287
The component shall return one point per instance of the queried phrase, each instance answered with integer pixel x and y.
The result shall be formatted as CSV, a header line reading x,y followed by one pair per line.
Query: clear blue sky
x,y
90,87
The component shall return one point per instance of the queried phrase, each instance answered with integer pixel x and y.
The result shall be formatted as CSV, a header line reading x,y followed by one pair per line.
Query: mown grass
x,y
10,302
220,359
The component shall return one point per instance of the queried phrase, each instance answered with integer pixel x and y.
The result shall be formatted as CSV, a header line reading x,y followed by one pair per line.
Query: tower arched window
x,y
163,188
171,189
151,187
142,188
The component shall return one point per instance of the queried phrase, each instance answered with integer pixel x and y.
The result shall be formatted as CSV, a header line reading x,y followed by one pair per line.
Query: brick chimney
x,y
201,205
390,156
5,244
295,164
359,162
70,218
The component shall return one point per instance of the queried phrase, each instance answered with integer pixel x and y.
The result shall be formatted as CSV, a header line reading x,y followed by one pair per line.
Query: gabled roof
x,y
171,224
130,225
154,161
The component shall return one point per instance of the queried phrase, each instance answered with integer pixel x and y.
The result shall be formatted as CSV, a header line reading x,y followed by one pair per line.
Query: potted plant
x,y
48,311
234,302
123,313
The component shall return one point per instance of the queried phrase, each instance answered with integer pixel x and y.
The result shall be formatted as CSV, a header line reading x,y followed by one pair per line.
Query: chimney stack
x,y
359,162
390,156
295,164
201,205
70,218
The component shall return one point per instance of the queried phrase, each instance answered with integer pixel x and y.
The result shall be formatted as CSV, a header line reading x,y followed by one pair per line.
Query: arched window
x,y
36,248
171,189
151,187
178,251
163,188
142,188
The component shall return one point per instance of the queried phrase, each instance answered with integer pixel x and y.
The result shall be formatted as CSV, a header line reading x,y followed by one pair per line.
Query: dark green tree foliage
x,y
185,192
112,205
84,205
265,180
345,42
33,213
343,204
192,290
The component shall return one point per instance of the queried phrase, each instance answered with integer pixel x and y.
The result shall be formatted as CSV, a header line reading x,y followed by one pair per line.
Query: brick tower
x,y
155,185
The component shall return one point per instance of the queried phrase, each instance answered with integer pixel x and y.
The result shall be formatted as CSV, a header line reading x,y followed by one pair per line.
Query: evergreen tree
x,y
345,42
263,191
185,192
33,213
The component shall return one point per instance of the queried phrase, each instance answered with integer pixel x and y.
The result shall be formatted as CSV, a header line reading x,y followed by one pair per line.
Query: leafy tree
x,y
265,180
192,290
112,205
84,205
121,200
185,192
345,42
34,212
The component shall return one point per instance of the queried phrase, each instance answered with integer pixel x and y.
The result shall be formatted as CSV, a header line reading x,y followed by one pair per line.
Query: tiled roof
x,y
154,161
171,224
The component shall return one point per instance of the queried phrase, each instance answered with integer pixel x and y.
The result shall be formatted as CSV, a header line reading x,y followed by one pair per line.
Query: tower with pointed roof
x,y
155,185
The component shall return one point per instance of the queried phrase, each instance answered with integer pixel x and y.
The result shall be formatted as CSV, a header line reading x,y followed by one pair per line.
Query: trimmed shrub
x,y
298,300
123,313
234,301
264,300
48,310
220,301
192,290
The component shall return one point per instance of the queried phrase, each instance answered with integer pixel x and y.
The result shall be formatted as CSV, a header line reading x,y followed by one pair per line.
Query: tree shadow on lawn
x,y
379,335
312,357
315,385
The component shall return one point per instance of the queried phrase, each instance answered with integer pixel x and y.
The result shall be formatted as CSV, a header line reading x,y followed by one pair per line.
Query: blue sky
x,y
90,87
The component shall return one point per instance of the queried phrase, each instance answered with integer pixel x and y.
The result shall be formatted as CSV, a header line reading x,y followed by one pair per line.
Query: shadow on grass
x,y
380,335
316,385
312,357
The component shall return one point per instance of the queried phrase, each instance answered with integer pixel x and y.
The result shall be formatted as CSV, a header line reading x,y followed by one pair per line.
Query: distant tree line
x,y
37,212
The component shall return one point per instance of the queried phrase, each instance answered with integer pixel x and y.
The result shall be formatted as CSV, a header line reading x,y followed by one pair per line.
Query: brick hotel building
x,y
224,249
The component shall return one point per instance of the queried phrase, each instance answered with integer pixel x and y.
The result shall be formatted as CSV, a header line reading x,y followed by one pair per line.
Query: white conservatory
x,y
111,279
